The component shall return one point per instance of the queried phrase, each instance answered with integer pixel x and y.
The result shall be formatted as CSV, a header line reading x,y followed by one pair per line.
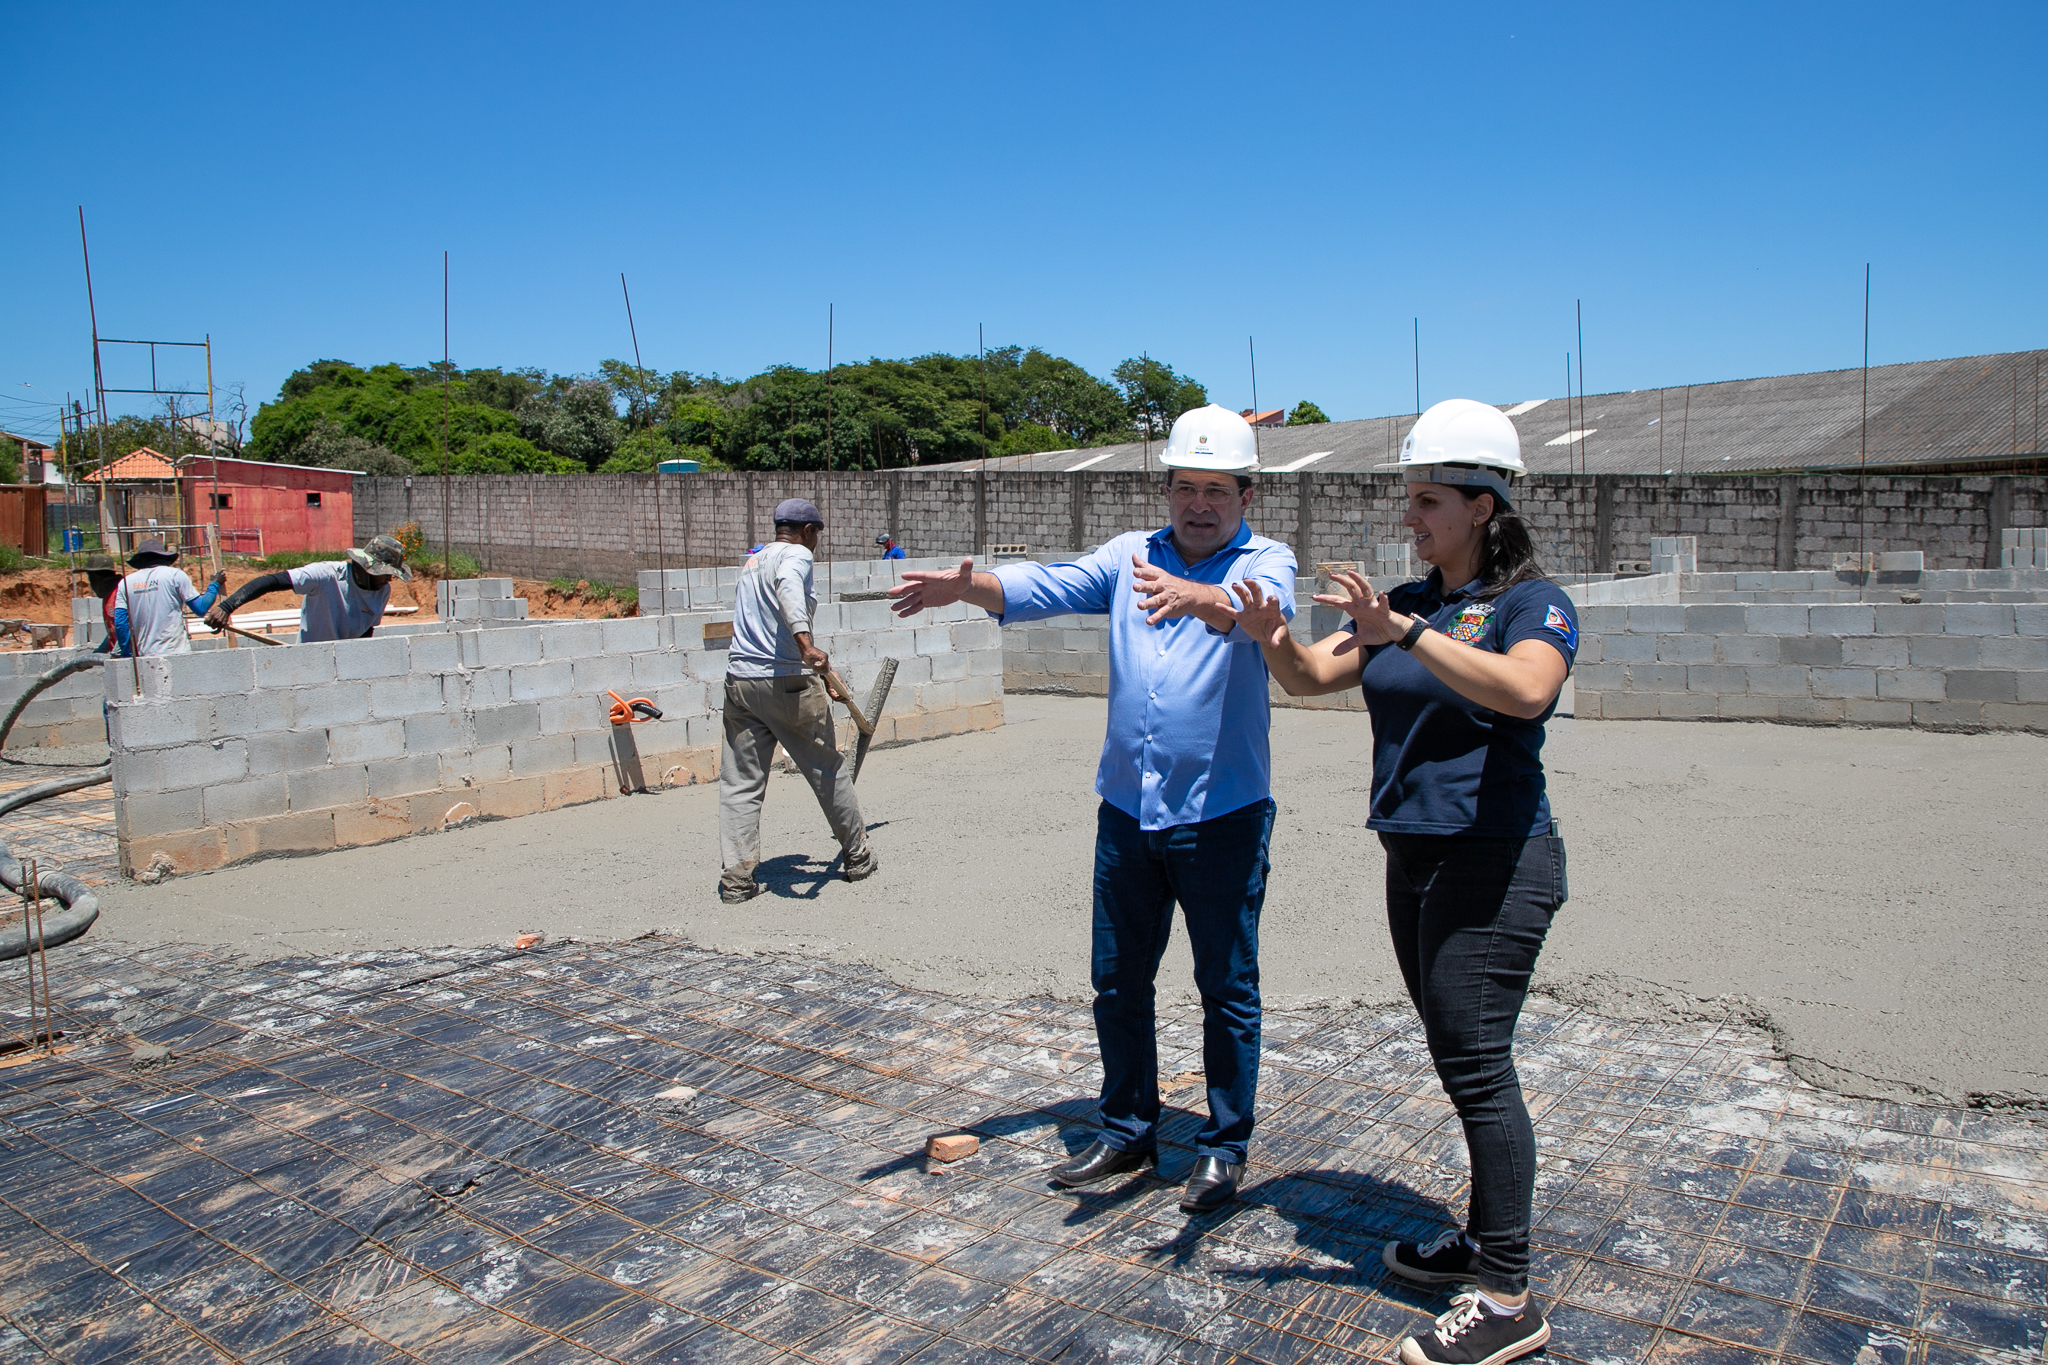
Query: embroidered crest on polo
x,y
1555,619
1471,622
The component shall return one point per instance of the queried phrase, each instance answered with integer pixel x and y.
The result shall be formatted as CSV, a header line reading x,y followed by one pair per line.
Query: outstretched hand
x,y
1258,615
1165,597
216,618
923,589
1377,622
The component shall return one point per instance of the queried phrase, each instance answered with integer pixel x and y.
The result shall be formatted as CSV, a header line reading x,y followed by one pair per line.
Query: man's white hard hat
x,y
1463,442
1211,438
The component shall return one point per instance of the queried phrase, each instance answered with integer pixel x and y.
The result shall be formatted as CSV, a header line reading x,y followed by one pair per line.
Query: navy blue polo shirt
x,y
1445,765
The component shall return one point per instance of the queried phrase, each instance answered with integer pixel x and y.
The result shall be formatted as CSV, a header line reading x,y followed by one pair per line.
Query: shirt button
x,y
1153,695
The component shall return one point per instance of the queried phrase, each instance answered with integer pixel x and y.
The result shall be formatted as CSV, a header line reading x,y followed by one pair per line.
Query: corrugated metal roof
x,y
1927,412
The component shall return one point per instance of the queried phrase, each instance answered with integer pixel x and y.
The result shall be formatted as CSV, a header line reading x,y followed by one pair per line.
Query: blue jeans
x,y
1468,916
1216,870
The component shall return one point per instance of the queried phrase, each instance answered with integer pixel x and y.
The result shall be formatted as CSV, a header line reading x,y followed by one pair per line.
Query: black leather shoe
x,y
1211,1185
1100,1161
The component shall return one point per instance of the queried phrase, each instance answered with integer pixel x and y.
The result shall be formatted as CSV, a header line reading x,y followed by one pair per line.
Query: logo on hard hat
x,y
1201,440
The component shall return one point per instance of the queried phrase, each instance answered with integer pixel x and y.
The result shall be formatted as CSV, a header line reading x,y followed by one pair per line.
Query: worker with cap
x,y
774,694
150,604
344,598
1460,671
103,576
890,549
1185,781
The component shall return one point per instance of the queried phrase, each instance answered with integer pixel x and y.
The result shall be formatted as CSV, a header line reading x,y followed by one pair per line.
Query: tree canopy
x,y
931,409
1305,414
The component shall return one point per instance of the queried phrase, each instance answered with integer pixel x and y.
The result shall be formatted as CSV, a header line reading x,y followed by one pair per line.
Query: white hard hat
x,y
1463,442
1211,438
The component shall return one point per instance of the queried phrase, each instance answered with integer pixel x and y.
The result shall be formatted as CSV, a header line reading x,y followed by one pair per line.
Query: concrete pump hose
x,y
81,907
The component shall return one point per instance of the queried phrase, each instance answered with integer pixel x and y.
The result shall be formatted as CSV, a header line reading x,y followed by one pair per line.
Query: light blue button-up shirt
x,y
1188,710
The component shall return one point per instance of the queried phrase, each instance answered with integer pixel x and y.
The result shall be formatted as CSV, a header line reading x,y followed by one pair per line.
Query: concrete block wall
x,y
713,588
224,755
1829,586
612,526
478,599
1953,665
68,713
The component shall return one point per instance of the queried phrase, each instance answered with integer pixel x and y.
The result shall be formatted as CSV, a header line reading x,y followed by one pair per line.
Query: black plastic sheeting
x,y
648,1153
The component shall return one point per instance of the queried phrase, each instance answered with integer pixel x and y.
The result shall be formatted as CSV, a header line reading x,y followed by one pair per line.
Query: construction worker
x,y
1186,806
150,604
103,576
890,549
774,695
344,598
1460,671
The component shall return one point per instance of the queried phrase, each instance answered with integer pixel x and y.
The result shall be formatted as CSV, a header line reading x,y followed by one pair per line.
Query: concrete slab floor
x,y
649,1153
1873,896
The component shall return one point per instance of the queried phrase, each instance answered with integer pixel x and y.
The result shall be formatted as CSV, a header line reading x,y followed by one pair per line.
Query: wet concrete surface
x,y
1873,897
650,1152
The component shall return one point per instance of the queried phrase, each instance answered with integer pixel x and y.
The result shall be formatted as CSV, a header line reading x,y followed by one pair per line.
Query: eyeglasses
x,y
1213,495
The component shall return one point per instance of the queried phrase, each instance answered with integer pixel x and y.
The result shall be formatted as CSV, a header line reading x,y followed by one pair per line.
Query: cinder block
x,y
211,673
437,653
287,751
396,698
298,832
1948,714
504,724
1944,651
1822,650
1747,649
2030,618
568,715
372,658
199,850
1876,651
371,824
145,725
479,688
473,768
1716,620
1908,620
573,788
1813,710
249,714
592,747
150,814
1601,677
2021,717
501,648
1977,618
1902,561
292,665
1864,712
1776,620
366,743
977,691
1628,705
629,636
322,788
532,682
1983,684
949,667
1716,679
253,798
2012,651
434,732
1912,684
1840,620
1842,682
1785,680
404,776
539,757
1732,707
338,703
1656,620
1656,677
1629,649
513,797
601,673
570,639
1686,705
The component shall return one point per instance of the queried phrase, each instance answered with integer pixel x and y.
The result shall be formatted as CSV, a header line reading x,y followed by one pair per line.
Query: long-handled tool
x,y
836,688
247,635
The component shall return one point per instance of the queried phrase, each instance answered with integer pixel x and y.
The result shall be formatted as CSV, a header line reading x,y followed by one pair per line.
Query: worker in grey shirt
x,y
773,694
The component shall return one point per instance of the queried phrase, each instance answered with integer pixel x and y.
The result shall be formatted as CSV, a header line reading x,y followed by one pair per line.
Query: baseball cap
x,y
798,511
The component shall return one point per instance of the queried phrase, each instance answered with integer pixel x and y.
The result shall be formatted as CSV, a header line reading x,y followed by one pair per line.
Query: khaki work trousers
x,y
759,714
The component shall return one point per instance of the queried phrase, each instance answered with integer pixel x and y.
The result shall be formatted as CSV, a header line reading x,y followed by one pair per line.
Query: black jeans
x,y
1216,871
1468,916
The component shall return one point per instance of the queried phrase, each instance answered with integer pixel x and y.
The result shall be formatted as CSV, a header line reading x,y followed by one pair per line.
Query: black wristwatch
x,y
1417,628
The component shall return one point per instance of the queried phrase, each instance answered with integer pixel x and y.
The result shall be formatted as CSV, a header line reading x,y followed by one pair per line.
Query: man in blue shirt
x,y
1185,781
890,549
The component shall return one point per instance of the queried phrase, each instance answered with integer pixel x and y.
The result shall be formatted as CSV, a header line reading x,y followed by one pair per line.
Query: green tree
x,y
574,418
329,447
503,453
1305,414
1154,395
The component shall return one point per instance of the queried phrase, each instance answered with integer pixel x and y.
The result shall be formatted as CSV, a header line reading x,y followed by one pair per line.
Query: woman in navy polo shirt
x,y
1460,671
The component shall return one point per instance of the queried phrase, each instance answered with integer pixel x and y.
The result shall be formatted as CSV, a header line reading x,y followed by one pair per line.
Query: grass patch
x,y
429,559
297,559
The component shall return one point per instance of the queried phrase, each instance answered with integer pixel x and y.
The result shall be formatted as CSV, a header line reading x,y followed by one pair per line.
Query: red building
x,y
266,507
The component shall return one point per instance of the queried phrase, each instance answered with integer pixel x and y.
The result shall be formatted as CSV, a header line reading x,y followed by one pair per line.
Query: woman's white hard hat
x,y
1211,438
1463,442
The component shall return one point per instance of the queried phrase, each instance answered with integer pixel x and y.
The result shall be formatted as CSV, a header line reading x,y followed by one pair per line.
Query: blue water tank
x,y
74,539
676,467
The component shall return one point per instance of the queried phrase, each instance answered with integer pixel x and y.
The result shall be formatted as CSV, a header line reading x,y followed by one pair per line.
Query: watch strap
x,y
1417,628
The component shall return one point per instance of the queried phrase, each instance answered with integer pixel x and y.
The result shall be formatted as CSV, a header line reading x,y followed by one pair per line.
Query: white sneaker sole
x,y
1411,1349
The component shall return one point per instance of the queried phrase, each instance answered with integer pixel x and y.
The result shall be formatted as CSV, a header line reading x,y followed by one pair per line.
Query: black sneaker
x,y
1447,1260
1470,1334
861,865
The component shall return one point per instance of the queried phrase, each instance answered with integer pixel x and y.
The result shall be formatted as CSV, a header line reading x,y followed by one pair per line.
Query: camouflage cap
x,y
101,564
383,556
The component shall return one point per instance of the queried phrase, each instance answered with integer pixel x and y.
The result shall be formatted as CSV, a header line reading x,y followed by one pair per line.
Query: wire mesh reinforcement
x,y
649,1152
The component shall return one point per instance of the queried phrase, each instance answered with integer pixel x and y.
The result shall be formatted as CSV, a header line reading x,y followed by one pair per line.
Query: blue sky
x,y
1098,180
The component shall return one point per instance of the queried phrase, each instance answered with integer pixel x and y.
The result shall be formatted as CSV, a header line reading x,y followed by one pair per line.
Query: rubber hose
x,y
80,906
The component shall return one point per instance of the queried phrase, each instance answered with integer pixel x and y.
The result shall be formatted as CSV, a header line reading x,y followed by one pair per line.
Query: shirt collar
x,y
1164,536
